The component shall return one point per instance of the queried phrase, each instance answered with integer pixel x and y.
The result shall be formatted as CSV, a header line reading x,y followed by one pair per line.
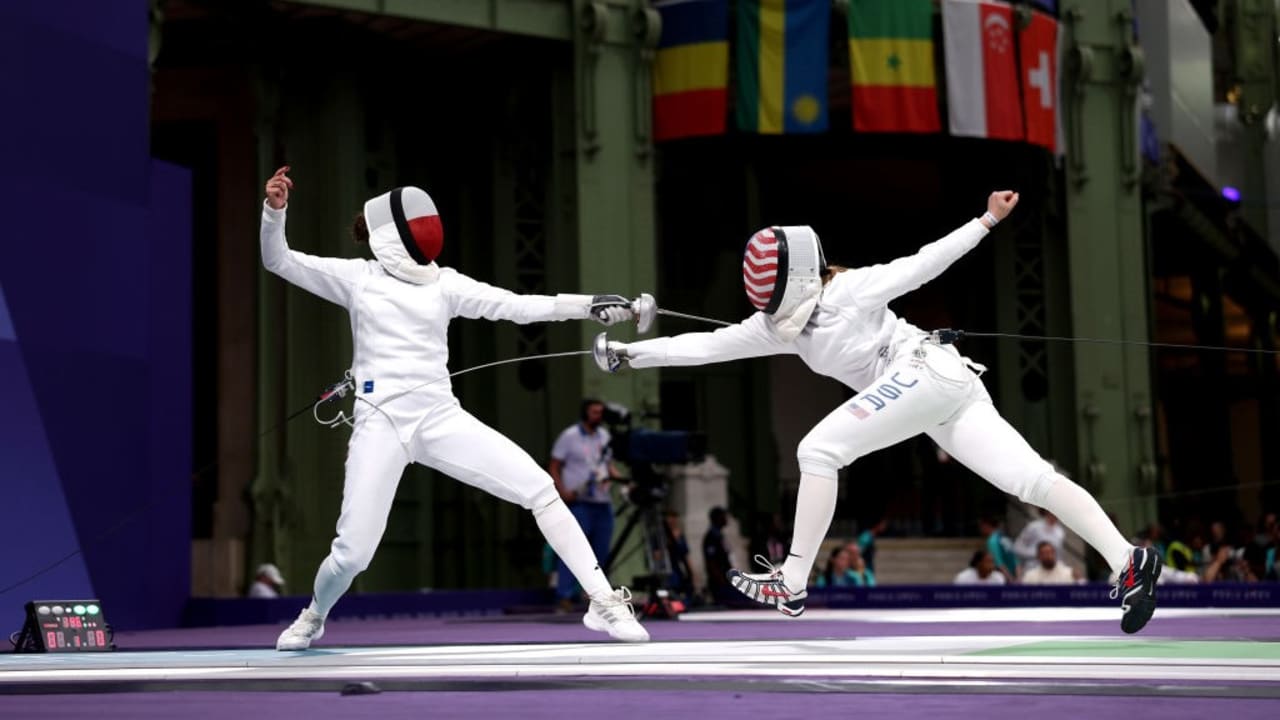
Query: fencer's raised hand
x,y
278,187
610,309
1001,203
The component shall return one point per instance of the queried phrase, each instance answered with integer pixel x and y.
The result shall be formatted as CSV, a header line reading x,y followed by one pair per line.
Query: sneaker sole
x,y
592,623
303,647
733,576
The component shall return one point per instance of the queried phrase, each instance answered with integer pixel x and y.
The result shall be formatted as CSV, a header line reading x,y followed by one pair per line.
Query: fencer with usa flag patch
x,y
908,382
400,306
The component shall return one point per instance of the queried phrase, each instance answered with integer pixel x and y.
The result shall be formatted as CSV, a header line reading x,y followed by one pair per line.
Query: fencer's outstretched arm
x,y
330,278
875,285
753,337
473,299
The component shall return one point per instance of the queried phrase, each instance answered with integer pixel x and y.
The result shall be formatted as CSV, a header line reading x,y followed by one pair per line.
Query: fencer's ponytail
x,y
360,230
830,271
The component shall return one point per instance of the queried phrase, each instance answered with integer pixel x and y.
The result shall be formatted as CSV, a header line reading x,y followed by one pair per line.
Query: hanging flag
x,y
782,65
1038,48
982,77
891,58
691,69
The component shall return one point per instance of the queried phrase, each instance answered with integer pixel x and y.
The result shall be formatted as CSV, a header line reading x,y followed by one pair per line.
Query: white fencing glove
x,y
609,355
610,309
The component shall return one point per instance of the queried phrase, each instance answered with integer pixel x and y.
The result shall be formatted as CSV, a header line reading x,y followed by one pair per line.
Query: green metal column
x,y
304,342
614,174
269,487
1252,25
1107,261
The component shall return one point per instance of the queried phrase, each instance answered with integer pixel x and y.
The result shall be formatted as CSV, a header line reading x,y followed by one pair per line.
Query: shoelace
x,y
620,598
1115,589
763,562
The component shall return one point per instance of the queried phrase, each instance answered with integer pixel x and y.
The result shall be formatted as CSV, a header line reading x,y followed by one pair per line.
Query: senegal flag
x,y
782,65
891,58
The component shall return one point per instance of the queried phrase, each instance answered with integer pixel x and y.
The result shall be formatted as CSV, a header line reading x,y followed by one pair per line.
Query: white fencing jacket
x,y
400,329
851,336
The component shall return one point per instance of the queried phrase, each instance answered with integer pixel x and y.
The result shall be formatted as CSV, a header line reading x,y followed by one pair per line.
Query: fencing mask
x,y
405,234
782,273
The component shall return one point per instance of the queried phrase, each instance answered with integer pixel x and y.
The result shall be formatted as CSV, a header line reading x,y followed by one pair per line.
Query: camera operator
x,y
582,469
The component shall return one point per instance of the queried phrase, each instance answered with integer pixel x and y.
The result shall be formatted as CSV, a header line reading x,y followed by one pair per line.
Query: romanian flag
x,y
782,65
691,69
891,58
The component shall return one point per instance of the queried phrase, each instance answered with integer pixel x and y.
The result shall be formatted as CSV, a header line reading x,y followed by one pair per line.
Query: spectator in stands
x,y
836,574
1232,564
1047,570
858,566
1271,564
1263,551
1217,541
846,568
769,539
981,571
1045,529
1000,547
867,542
681,581
267,582
715,555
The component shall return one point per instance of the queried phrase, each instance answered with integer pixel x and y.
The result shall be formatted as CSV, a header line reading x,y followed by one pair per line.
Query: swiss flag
x,y
982,75
1038,48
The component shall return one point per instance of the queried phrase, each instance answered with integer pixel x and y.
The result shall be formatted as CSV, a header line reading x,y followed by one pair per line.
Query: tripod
x,y
643,512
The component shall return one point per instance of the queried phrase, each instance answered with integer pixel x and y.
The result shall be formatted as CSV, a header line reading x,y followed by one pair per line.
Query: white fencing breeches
x,y
450,440
938,395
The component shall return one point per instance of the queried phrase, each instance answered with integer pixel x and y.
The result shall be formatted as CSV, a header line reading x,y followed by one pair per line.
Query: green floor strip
x,y
1182,649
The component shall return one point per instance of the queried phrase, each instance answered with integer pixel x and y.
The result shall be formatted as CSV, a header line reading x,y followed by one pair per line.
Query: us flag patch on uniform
x,y
858,412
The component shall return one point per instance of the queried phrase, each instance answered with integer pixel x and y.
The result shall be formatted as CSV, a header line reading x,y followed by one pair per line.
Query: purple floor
x,y
628,698
615,705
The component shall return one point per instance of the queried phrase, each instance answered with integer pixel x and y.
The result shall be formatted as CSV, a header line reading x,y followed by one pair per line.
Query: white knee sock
x,y
562,530
1079,511
815,506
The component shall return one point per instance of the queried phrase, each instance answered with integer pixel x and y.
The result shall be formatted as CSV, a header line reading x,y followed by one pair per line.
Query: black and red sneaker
x,y
767,588
1136,588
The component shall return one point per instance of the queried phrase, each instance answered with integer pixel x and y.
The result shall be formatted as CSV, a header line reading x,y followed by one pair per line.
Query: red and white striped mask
x,y
760,269
782,270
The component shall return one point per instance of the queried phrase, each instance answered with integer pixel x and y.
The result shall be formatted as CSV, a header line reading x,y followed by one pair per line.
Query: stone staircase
x,y
915,561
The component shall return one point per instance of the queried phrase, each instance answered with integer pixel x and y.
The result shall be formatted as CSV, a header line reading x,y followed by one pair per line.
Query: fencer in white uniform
x,y
400,306
907,382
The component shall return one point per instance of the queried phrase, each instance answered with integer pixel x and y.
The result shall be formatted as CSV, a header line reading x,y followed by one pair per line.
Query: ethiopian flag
x,y
891,58
782,65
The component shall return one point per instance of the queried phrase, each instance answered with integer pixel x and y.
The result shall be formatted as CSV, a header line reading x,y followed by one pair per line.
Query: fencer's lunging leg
x,y
375,462
564,534
815,506
458,444
897,406
987,444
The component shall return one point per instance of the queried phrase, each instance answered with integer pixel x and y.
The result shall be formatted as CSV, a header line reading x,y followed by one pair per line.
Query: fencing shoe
x,y
1136,588
768,588
613,613
298,636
